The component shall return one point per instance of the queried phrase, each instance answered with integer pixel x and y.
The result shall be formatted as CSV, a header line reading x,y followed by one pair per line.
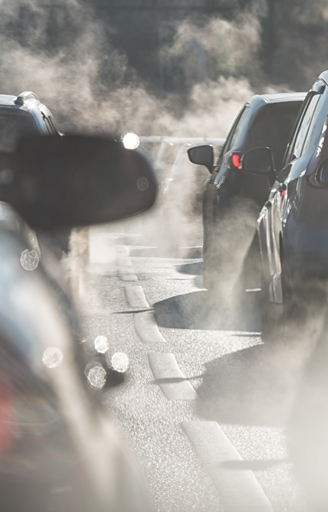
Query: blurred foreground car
x,y
293,225
232,199
58,450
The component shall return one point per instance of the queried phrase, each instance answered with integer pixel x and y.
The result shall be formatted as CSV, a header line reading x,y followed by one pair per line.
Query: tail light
x,y
235,161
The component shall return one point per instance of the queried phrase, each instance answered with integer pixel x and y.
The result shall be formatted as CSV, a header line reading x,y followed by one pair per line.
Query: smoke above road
x,y
65,54
61,53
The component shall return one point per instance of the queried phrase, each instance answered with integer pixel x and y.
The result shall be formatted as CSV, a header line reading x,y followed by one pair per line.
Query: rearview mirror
x,y
77,180
259,161
202,155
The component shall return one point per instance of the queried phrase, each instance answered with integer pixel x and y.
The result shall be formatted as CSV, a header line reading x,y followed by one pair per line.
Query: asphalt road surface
x,y
206,404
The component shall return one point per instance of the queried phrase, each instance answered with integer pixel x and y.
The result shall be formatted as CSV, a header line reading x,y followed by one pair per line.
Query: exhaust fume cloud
x,y
60,53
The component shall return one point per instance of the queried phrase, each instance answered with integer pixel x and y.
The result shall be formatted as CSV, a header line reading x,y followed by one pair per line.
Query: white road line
x,y
135,297
147,328
170,378
238,489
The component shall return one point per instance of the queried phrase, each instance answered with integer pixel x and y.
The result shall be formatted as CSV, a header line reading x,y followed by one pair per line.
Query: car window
x,y
235,130
49,125
300,141
12,128
272,128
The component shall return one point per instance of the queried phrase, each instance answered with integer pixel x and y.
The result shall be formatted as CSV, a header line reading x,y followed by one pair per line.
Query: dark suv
x,y
23,115
292,226
232,199
20,116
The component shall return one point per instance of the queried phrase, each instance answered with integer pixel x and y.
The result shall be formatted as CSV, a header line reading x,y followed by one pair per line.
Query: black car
x,y
23,115
293,226
20,116
232,199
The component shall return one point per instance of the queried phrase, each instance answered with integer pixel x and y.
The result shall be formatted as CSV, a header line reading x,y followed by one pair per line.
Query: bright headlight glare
x,y
131,141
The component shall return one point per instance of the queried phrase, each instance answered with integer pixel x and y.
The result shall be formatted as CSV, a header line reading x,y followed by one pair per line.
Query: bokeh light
x,y
29,259
131,141
96,375
120,362
101,344
52,357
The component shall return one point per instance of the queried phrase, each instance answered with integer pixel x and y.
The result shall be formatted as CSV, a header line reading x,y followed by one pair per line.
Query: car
x,y
26,115
58,449
292,225
23,115
232,199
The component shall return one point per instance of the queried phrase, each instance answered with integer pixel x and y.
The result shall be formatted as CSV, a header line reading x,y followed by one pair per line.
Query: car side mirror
x,y
78,180
259,161
202,155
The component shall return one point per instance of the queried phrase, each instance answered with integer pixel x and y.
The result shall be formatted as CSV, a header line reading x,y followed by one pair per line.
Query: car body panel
x,y
294,226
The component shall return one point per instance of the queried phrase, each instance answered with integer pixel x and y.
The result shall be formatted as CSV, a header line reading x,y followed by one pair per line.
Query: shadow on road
x,y
195,269
253,386
198,310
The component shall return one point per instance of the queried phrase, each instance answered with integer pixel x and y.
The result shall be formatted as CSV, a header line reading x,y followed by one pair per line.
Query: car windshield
x,y
13,128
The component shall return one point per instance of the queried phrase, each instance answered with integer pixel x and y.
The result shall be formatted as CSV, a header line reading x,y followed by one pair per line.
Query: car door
x,y
219,171
284,195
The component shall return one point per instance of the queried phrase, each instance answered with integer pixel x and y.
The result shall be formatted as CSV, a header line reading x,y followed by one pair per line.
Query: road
x,y
206,404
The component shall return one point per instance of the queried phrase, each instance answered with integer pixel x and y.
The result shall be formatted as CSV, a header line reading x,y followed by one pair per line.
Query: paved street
x,y
206,403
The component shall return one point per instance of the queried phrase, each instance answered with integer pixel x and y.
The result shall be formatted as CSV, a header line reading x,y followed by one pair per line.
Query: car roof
x,y
324,76
281,97
25,101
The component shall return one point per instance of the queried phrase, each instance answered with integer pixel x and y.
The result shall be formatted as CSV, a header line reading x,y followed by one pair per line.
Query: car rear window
x,y
12,128
272,128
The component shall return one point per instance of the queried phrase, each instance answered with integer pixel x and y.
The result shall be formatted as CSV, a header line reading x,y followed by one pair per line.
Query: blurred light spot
x,y
52,357
120,362
29,259
131,141
96,375
101,344
142,184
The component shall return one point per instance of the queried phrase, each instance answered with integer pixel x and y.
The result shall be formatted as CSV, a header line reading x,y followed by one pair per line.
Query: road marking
x,y
135,297
239,490
147,328
170,378
128,276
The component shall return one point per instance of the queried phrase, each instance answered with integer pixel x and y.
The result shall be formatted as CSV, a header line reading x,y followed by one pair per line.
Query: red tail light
x,y
235,161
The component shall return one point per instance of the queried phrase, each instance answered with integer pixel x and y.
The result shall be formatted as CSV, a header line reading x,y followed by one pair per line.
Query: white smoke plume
x,y
66,79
